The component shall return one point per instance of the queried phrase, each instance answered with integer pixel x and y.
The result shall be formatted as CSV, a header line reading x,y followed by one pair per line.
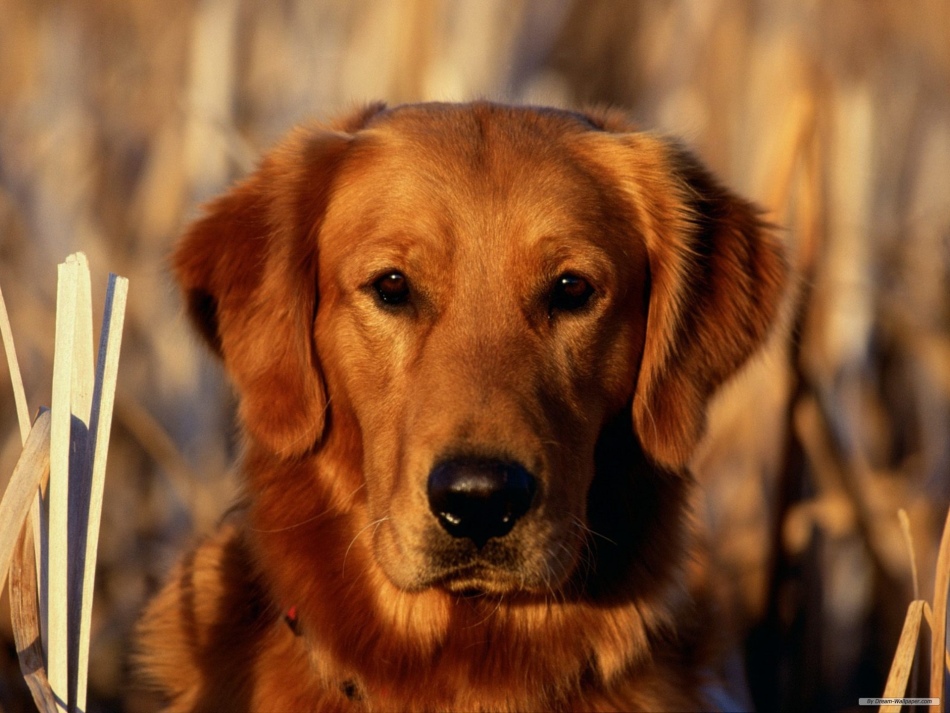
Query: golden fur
x,y
348,404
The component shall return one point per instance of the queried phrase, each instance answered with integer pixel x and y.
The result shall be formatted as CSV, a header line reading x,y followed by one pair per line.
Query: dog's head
x,y
466,296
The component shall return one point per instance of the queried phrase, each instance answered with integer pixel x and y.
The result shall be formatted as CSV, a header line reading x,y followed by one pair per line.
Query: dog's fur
x,y
347,404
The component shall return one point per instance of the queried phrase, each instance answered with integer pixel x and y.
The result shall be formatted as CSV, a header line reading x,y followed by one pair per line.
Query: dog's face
x,y
466,295
481,314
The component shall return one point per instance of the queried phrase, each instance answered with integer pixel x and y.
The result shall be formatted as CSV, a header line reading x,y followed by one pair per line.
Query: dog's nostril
x,y
479,499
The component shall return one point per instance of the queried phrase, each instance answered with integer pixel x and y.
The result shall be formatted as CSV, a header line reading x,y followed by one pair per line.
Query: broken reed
x,y
50,512
919,610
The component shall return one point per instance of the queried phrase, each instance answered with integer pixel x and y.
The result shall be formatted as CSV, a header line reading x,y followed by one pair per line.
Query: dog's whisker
x,y
585,528
307,521
375,524
586,556
638,398
349,498
301,523
498,601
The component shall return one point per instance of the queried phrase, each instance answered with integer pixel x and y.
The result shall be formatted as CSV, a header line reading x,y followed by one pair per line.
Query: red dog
x,y
473,346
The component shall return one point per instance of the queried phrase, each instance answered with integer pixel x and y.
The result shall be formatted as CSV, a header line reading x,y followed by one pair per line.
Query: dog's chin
x,y
476,582
477,578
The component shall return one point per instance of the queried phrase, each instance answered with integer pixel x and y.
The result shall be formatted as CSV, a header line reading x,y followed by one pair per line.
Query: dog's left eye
x,y
570,293
392,288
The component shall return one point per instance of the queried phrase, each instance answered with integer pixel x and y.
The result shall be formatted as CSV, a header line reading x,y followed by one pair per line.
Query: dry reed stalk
x,y
25,612
938,666
794,138
70,419
69,444
19,395
20,523
30,471
903,662
842,476
919,610
100,426
912,556
929,618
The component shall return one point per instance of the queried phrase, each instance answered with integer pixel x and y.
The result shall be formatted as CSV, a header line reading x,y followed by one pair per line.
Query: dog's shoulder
x,y
212,640
209,599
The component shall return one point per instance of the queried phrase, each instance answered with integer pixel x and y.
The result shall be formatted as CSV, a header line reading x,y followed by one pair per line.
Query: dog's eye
x,y
392,288
570,293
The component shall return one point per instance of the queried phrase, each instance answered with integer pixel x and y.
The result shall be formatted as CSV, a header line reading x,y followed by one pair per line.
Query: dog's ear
x,y
248,270
717,278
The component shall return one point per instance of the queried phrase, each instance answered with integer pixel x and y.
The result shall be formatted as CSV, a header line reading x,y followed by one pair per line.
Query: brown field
x,y
117,118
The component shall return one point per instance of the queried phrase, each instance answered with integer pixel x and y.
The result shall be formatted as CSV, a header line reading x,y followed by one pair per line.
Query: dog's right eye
x,y
392,288
570,293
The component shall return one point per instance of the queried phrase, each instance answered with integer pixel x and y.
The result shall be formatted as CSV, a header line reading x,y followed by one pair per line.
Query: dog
x,y
473,346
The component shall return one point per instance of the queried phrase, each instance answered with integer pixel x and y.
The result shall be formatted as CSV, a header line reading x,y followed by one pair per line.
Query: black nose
x,y
479,498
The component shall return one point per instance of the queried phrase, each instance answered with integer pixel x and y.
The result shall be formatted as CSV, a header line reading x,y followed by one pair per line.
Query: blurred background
x,y
118,117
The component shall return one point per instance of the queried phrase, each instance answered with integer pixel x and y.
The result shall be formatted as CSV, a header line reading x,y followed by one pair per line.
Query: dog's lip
x,y
478,578
473,582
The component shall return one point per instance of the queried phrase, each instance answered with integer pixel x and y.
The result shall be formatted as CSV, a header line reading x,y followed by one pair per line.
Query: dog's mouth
x,y
499,567
480,581
461,567
476,581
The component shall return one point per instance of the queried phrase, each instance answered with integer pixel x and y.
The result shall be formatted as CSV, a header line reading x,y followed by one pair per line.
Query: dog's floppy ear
x,y
717,278
248,271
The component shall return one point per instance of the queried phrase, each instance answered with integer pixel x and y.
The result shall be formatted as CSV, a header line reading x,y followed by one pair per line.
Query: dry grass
x,y
116,118
50,509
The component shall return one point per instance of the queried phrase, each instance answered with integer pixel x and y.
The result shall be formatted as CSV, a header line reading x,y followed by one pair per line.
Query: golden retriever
x,y
473,346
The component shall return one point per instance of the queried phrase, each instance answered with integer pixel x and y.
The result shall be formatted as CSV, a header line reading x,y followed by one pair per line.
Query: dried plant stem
x,y
100,426
30,470
66,448
938,665
909,542
68,433
936,617
903,661
24,608
19,395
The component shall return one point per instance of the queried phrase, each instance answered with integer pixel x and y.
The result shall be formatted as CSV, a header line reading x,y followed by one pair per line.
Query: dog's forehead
x,y
481,143
476,185
476,164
